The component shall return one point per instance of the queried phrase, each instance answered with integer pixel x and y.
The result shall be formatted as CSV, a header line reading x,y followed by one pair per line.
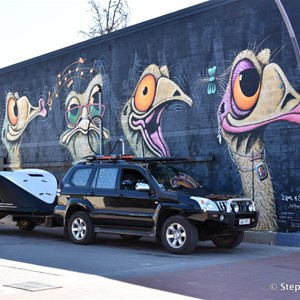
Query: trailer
x,y
29,196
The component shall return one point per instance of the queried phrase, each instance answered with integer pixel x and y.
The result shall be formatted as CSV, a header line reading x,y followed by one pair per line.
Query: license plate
x,y
244,221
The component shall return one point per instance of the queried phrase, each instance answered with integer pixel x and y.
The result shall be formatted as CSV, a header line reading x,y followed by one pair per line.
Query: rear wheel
x,y
26,225
179,235
230,241
80,228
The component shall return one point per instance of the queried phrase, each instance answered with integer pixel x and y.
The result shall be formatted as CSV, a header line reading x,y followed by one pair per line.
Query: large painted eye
x,y
245,87
73,112
145,93
95,110
12,111
95,95
95,98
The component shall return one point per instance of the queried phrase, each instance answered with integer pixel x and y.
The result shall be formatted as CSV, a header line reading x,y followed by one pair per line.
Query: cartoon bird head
x,y
83,130
258,94
18,114
141,117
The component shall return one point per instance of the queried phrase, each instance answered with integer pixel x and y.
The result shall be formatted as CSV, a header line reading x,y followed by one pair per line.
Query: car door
x,y
101,194
134,208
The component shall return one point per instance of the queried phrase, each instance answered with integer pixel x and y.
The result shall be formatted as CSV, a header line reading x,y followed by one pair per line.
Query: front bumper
x,y
225,220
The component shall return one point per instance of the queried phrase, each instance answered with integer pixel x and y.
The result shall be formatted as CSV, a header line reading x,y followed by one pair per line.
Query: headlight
x,y
250,207
236,208
206,204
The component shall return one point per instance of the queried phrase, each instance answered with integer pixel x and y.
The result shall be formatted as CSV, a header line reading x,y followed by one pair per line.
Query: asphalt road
x,y
251,271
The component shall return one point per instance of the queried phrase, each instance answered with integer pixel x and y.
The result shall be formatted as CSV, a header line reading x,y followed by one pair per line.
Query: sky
x,y
29,28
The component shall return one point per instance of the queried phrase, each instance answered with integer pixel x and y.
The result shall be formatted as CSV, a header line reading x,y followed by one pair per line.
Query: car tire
x,y
230,241
26,225
179,235
80,229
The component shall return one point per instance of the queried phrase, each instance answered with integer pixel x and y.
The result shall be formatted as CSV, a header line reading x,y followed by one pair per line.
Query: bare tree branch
x,y
108,18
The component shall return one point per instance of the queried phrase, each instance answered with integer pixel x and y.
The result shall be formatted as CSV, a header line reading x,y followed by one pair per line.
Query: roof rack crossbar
x,y
127,158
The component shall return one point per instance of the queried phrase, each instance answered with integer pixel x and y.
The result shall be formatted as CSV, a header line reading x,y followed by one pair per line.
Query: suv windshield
x,y
170,177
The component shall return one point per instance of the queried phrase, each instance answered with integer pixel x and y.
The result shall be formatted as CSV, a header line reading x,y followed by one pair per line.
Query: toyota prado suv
x,y
138,197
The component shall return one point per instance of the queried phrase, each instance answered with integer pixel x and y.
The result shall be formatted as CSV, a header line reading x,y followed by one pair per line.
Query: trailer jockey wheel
x,y
26,225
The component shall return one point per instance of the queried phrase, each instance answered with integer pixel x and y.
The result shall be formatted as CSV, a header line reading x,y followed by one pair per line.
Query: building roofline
x,y
149,24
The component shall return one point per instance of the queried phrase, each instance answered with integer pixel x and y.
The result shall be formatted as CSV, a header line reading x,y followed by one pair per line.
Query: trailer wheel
x,y
26,225
80,228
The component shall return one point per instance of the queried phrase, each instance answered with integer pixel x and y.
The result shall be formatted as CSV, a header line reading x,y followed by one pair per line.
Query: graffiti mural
x,y
212,80
82,133
18,114
169,88
83,110
258,94
141,118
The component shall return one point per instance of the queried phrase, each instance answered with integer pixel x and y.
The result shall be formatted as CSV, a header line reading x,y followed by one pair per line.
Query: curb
x,y
273,238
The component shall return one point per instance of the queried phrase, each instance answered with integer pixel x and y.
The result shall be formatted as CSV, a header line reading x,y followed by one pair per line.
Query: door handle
x,y
91,194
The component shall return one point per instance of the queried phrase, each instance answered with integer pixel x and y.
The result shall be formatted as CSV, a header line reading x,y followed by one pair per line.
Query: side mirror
x,y
142,187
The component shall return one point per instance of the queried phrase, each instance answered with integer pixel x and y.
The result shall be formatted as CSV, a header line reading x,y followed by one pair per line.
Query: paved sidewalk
x,y
26,281
291,239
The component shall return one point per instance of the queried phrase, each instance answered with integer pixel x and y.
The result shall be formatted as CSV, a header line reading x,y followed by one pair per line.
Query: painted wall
x,y
217,82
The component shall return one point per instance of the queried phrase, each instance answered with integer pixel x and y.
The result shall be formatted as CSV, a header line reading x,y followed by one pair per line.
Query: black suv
x,y
137,197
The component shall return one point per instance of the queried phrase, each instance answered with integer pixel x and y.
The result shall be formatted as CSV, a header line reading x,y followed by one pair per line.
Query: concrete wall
x,y
216,82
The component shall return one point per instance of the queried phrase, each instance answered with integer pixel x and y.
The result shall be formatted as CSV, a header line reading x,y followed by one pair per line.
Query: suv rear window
x,y
80,177
105,178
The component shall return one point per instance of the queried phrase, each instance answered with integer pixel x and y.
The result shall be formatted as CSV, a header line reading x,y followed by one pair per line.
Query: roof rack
x,y
160,159
122,158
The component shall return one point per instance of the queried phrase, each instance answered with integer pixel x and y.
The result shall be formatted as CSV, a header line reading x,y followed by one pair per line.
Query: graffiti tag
x,y
290,198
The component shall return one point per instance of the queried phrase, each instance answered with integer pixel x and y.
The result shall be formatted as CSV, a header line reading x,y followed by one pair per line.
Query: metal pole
x,y
290,30
100,123
123,146
253,191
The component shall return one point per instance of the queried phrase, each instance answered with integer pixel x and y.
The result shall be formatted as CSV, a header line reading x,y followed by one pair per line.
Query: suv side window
x,y
81,177
131,177
105,178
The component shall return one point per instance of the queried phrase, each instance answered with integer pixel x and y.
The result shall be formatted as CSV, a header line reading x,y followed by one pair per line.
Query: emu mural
x,y
83,111
141,117
258,93
83,130
18,114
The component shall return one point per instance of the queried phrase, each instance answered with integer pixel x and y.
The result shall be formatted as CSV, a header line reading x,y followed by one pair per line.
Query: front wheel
x,y
26,225
80,228
179,235
230,241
